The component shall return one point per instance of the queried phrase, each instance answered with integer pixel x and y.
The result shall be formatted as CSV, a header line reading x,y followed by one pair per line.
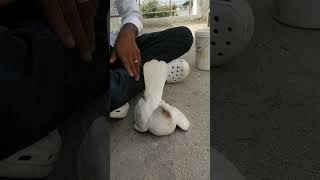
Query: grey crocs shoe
x,y
35,161
297,13
232,29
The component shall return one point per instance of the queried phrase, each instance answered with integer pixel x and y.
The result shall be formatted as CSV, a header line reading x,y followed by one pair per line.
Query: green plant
x,y
186,4
152,9
148,7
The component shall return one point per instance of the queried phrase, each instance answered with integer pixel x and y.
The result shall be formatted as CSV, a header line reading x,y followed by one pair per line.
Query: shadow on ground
x,y
267,101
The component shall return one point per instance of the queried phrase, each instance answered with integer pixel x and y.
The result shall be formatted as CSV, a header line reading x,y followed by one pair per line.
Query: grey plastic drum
x,y
304,14
231,30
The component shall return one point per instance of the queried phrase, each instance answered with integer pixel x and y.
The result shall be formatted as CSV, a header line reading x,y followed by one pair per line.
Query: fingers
x,y
113,57
127,66
55,17
138,55
72,17
130,67
137,63
137,67
134,64
131,64
133,68
87,15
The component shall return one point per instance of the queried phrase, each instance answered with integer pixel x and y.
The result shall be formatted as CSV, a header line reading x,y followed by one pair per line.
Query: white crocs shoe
x,y
121,112
35,161
179,70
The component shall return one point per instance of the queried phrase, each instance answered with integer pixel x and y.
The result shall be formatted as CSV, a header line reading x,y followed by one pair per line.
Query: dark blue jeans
x,y
164,46
41,83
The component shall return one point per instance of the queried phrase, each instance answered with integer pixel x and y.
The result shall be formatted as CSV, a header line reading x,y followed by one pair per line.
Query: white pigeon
x,y
151,112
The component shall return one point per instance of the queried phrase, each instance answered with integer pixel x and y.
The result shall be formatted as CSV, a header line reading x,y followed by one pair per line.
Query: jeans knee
x,y
118,86
115,101
186,37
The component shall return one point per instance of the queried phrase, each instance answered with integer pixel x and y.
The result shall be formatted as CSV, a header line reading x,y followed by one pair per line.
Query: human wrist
x,y
129,28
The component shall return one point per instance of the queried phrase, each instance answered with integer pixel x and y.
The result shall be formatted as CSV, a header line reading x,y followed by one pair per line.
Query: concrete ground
x,y
267,100
180,156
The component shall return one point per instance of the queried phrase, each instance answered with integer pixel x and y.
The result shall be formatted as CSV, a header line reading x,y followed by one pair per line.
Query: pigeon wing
x,y
177,116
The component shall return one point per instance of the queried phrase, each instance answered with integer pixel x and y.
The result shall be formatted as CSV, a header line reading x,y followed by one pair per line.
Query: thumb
x,y
113,57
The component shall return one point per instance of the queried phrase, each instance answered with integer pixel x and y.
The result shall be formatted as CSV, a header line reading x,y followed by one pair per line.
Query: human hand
x,y
126,49
4,3
73,22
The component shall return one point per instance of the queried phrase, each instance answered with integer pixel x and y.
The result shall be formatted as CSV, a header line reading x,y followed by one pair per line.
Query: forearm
x,y
131,28
130,14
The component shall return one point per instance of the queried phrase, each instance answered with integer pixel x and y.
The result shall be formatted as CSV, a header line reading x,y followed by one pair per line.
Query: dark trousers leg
x,y
84,154
93,156
41,84
164,46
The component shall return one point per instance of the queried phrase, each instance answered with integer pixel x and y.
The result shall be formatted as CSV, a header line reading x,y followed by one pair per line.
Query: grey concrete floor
x,y
266,102
180,156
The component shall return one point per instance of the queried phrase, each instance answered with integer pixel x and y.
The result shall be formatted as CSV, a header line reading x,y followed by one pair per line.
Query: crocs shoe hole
x,y
216,18
215,31
228,43
213,43
230,29
51,156
220,54
25,158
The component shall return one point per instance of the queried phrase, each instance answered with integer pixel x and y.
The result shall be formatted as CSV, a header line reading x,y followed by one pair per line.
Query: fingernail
x,y
87,56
